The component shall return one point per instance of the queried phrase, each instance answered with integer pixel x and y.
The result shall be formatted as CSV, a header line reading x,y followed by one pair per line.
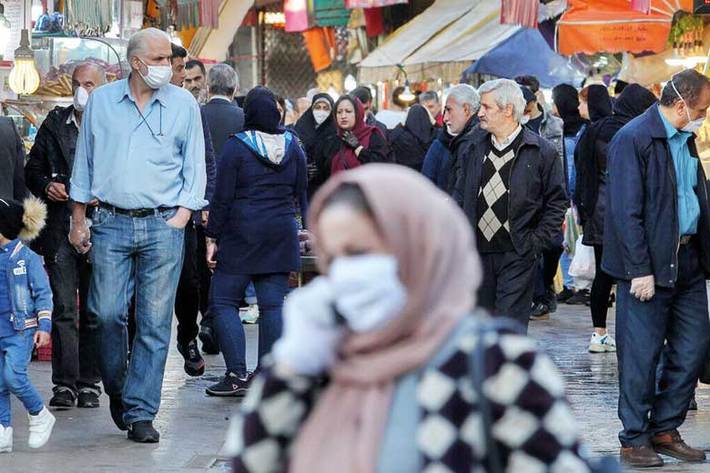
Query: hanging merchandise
x,y
519,12
89,17
341,42
188,14
374,22
330,13
320,43
297,18
350,4
209,13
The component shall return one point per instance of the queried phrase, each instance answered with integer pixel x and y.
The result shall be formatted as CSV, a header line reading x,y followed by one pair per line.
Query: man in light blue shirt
x,y
140,154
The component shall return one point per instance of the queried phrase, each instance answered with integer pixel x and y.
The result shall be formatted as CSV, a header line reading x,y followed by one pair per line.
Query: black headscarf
x,y
261,113
590,153
306,126
411,141
598,102
566,100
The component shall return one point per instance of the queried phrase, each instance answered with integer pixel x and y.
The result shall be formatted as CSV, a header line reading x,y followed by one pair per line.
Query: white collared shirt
x,y
72,119
506,142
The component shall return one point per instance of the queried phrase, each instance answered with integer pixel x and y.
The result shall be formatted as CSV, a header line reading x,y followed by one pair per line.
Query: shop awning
x,y
213,44
381,63
593,26
527,53
447,51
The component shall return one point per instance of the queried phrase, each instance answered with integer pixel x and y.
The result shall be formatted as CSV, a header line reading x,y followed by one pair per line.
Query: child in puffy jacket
x,y
25,317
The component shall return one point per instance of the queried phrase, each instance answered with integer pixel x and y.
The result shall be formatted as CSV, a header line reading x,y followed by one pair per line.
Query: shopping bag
x,y
583,265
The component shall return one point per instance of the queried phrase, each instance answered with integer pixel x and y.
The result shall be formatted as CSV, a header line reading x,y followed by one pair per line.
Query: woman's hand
x,y
311,334
41,339
211,253
351,140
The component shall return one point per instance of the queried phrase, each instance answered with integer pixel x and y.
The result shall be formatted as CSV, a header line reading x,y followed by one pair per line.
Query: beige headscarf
x,y
439,266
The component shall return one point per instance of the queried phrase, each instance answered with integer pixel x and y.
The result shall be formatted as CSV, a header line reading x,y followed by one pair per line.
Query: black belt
x,y
135,213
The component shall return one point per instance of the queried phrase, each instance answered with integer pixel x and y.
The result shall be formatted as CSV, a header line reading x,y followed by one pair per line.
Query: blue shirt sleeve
x,y
194,168
81,177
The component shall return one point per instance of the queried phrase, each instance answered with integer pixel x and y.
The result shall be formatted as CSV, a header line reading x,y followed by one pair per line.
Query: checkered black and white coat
x,y
533,425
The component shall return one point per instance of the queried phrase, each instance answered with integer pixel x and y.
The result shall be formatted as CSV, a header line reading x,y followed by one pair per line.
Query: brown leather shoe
x,y
670,443
640,457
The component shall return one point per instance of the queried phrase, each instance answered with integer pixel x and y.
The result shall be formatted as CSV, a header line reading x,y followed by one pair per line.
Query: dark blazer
x,y
538,199
641,234
12,162
51,159
224,119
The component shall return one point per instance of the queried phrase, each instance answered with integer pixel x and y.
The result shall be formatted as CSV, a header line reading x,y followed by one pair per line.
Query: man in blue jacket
x,y
657,245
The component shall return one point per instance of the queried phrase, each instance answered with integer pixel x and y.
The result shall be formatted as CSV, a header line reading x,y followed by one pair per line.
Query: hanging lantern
x,y
24,78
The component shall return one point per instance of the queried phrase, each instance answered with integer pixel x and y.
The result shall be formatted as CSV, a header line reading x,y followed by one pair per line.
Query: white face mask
x,y
368,291
157,76
693,125
524,119
81,97
320,116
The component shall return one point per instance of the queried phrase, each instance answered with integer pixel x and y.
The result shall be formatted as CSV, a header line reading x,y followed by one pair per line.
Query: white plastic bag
x,y
583,266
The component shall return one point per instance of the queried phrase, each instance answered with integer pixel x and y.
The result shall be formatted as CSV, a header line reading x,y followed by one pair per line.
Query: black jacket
x,y
411,141
537,200
641,234
51,160
224,119
12,161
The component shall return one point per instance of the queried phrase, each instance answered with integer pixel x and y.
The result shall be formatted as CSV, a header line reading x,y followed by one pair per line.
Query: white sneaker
x,y
602,343
5,439
41,427
250,315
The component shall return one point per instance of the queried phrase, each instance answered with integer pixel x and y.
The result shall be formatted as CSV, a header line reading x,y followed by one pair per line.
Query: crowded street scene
x,y
358,236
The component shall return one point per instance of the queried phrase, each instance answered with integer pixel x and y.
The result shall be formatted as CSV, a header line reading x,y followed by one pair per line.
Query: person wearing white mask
x,y
141,155
75,371
378,366
318,134
657,247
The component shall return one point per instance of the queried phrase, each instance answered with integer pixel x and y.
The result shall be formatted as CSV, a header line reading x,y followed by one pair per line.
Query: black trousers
x,y
74,350
191,297
601,291
507,288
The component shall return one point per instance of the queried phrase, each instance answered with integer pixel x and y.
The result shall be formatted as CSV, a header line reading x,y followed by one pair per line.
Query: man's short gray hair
x,y
429,96
222,79
507,92
137,43
465,94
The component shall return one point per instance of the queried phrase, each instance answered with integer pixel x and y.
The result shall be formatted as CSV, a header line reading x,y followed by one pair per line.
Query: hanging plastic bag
x,y
583,266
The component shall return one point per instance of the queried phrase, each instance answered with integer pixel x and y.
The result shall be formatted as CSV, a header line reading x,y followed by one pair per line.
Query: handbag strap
x,y
476,365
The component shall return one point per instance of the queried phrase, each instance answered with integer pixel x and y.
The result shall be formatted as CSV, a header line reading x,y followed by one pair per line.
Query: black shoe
x,y
540,311
63,398
143,432
230,386
564,296
194,363
550,300
209,341
693,404
580,297
89,398
116,407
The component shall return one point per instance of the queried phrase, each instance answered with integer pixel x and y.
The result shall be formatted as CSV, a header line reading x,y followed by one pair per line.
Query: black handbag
x,y
493,462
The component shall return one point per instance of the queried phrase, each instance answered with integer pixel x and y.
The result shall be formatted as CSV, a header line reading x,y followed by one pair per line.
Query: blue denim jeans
x,y
225,292
648,403
145,255
15,355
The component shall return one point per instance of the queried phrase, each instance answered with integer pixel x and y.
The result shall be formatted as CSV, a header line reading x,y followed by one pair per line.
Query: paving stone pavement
x,y
192,425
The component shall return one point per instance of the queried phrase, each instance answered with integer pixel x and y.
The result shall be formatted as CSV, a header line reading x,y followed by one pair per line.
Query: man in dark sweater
x,y
12,162
511,187
75,372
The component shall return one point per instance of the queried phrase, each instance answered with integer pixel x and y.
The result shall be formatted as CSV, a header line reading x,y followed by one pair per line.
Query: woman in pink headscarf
x,y
375,370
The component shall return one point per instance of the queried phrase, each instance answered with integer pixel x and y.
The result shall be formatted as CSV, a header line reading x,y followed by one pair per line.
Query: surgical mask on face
x,y
525,119
320,116
81,97
693,125
368,291
157,76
